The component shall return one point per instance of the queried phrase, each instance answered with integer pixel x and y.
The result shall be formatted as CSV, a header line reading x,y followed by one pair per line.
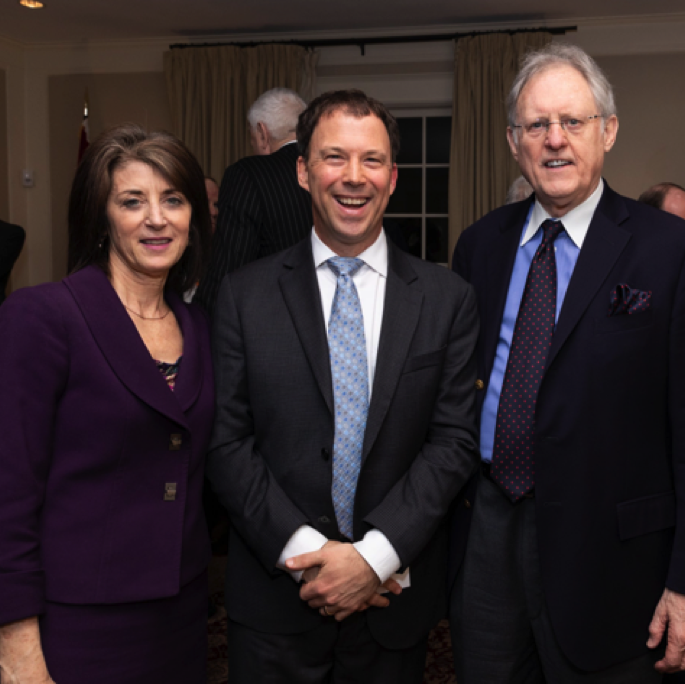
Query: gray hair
x,y
519,190
562,54
278,109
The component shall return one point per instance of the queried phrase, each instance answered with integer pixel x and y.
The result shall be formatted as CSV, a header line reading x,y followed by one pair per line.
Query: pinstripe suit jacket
x,y
262,210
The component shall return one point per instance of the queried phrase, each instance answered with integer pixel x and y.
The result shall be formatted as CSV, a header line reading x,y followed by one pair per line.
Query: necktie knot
x,y
550,230
344,266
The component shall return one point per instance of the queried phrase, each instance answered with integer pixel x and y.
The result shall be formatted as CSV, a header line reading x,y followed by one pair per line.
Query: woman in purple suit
x,y
106,407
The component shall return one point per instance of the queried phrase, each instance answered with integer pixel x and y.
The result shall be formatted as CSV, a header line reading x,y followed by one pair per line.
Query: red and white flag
x,y
84,135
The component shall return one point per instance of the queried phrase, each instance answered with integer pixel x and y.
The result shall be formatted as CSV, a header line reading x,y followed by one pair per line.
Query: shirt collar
x,y
375,256
576,222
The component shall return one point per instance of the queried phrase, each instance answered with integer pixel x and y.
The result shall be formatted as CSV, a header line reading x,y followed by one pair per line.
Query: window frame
x,y
423,113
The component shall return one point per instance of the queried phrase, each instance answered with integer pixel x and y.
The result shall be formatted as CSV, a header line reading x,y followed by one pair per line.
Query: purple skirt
x,y
150,642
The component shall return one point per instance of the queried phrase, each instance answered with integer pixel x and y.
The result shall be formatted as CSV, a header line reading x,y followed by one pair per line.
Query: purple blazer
x,y
92,439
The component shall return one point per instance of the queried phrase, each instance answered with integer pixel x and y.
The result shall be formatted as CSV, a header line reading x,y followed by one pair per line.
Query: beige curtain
x,y
210,90
481,165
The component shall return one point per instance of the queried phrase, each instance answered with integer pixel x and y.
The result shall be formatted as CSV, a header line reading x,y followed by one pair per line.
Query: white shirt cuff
x,y
304,540
378,552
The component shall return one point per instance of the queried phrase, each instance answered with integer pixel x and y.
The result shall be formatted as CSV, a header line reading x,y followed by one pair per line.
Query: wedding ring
x,y
325,610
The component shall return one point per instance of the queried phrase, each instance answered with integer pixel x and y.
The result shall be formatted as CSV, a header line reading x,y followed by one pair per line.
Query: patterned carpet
x,y
438,663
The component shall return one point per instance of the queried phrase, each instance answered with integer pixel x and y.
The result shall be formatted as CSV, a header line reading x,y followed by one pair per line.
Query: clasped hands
x,y
339,582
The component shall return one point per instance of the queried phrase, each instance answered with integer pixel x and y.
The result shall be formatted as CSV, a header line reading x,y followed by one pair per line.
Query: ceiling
x,y
69,21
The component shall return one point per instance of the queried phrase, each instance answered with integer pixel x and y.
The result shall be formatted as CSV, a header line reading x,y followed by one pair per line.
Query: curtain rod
x,y
361,43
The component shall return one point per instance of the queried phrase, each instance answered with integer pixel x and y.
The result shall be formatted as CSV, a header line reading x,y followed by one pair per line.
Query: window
x,y
418,208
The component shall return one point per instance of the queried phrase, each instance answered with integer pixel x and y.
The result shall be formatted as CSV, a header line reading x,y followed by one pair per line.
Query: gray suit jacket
x,y
270,459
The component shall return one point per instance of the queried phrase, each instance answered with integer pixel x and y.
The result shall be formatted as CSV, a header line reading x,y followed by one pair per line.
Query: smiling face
x,y
564,169
149,223
350,175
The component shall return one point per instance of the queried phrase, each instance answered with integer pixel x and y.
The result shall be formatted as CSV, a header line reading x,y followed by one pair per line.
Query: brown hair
x,y
353,102
89,227
656,195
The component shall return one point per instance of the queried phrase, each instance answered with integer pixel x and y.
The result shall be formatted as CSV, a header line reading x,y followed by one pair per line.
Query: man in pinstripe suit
x,y
262,208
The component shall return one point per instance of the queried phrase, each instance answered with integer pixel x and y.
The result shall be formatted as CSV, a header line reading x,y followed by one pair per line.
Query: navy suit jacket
x,y
271,454
87,421
609,422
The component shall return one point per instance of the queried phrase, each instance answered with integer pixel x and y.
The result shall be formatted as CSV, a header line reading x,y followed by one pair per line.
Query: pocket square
x,y
626,300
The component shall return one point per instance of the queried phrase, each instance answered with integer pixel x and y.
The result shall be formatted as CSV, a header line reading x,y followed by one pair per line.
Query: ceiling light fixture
x,y
31,4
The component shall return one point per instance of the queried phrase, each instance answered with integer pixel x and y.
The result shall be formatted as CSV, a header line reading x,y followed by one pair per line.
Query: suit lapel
x,y
499,270
401,313
603,245
121,345
301,293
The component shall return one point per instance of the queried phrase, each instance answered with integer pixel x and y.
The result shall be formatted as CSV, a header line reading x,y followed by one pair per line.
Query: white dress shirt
x,y
370,281
576,222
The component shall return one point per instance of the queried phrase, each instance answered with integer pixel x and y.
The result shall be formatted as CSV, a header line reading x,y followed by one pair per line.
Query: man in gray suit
x,y
343,476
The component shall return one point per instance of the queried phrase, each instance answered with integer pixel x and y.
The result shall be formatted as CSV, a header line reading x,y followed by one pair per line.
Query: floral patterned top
x,y
169,371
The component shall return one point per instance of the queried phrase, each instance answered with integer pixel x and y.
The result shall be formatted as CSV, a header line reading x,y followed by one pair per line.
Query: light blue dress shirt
x,y
566,249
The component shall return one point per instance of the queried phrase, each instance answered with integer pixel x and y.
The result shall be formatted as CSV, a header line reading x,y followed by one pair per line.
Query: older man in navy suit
x,y
575,565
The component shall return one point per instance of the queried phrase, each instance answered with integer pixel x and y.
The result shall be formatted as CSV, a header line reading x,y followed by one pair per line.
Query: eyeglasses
x,y
571,124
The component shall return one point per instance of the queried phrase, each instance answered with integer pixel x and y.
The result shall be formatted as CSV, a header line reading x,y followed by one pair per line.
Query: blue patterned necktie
x,y
347,345
513,463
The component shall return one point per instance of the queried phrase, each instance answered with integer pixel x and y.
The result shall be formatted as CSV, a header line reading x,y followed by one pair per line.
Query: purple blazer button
x,y
175,441
170,491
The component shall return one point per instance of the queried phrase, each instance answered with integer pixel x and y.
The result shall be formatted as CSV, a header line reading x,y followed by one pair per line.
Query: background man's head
x,y
213,197
666,196
273,118
519,190
562,121
348,144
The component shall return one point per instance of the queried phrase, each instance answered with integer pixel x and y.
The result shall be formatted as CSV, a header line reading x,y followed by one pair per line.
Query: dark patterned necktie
x,y
513,464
